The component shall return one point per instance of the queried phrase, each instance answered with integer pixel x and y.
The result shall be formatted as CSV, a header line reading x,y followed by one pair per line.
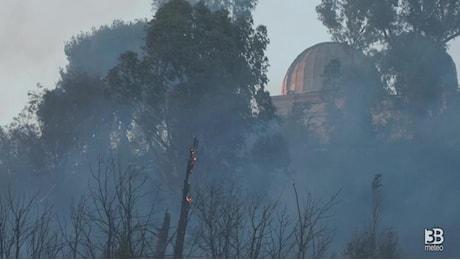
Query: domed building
x,y
305,82
308,85
305,75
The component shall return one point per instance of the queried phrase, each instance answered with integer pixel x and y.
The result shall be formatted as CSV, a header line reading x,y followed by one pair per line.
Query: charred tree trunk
x,y
163,237
186,201
376,207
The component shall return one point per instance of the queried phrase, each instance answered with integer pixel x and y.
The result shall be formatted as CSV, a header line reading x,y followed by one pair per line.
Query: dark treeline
x,y
94,167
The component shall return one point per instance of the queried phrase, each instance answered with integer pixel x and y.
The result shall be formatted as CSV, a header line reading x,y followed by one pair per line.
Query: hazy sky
x,y
33,34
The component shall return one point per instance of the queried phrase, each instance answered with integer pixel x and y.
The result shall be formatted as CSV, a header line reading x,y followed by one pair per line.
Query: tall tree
x,y
408,40
200,73
76,118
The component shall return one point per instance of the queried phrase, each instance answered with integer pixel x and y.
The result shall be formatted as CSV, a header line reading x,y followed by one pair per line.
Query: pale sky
x,y
33,34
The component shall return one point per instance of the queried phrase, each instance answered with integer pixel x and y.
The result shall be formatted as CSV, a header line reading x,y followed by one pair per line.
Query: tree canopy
x,y
200,73
362,23
407,40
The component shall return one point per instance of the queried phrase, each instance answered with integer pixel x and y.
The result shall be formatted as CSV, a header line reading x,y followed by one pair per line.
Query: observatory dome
x,y
305,75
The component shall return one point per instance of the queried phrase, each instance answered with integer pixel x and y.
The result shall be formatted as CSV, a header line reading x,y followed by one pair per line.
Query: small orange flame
x,y
188,199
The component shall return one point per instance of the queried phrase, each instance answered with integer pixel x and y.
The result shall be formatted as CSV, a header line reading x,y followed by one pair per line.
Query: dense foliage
x,y
200,73
408,40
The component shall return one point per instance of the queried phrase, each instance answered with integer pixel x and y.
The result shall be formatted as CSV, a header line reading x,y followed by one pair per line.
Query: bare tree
x,y
26,227
230,224
260,218
310,233
20,209
76,235
116,219
280,245
44,240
